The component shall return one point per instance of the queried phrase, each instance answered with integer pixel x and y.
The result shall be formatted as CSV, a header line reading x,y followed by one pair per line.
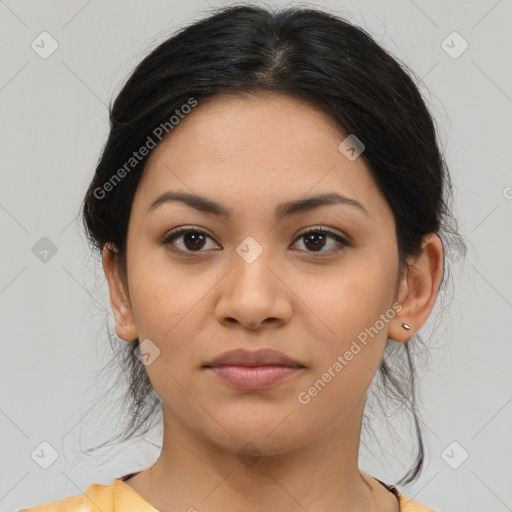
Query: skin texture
x,y
251,153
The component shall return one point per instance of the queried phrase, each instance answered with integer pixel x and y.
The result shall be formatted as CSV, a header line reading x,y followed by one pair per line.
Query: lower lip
x,y
254,378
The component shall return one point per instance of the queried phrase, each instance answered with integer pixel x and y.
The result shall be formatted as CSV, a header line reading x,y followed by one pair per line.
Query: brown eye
x,y
316,239
192,240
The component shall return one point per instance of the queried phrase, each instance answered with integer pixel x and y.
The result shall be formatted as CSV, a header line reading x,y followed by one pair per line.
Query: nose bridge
x,y
252,292
252,260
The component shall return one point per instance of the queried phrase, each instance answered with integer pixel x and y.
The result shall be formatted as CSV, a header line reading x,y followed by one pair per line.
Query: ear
x,y
418,289
119,299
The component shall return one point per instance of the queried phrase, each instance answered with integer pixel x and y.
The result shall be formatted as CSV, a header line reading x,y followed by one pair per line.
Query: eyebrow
x,y
283,210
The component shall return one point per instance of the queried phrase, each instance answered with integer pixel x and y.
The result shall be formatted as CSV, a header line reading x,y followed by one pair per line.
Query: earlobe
x,y
418,289
119,300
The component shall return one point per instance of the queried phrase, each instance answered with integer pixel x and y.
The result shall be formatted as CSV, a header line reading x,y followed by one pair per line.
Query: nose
x,y
254,293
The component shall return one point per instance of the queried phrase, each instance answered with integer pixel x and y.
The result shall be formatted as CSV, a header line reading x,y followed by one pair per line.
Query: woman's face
x,y
251,279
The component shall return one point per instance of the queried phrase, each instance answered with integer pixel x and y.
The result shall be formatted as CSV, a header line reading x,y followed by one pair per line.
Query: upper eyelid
x,y
329,231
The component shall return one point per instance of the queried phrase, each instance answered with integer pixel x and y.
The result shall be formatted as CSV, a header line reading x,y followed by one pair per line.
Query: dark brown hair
x,y
321,59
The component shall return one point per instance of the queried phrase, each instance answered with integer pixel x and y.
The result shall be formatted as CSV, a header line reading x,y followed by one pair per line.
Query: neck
x,y
323,474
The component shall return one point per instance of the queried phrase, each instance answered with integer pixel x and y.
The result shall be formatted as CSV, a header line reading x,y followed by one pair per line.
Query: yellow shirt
x,y
120,497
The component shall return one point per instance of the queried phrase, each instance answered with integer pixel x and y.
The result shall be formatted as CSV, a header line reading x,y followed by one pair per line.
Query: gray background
x,y
53,125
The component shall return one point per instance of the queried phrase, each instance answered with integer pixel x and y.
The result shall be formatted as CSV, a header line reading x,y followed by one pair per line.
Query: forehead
x,y
266,147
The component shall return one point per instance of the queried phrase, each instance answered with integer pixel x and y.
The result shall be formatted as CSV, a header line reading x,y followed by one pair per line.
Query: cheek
x,y
349,342
166,311
348,298
162,294
169,308
349,311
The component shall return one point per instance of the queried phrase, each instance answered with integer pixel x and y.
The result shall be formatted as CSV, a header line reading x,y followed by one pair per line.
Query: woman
x,y
270,207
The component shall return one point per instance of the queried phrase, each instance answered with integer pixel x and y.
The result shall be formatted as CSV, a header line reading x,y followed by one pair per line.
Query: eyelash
x,y
338,238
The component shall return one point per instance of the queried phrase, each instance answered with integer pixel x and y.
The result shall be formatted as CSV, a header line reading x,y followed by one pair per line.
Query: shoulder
x,y
405,504
409,505
69,504
95,495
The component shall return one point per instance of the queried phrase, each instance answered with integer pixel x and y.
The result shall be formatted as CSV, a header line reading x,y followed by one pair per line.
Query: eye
x,y
317,238
193,240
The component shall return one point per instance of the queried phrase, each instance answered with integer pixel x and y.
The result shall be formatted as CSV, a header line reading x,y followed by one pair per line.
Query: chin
x,y
260,435
259,446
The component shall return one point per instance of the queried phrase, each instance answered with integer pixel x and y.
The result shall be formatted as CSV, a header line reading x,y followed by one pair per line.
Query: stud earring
x,y
407,327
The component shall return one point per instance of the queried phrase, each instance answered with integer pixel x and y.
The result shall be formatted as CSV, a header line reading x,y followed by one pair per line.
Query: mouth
x,y
254,378
254,371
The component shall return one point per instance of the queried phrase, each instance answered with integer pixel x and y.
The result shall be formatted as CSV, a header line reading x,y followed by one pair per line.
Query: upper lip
x,y
262,357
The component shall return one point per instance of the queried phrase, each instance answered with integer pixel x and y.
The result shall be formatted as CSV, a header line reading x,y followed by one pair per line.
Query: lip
x,y
254,378
254,370
261,357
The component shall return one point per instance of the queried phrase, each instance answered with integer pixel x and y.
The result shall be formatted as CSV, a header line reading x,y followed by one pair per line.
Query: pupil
x,y
319,237
195,238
